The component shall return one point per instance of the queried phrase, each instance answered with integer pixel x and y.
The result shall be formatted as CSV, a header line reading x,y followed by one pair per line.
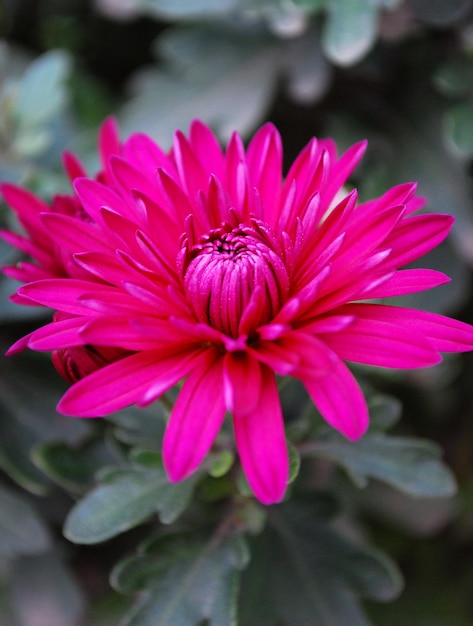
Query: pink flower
x,y
211,267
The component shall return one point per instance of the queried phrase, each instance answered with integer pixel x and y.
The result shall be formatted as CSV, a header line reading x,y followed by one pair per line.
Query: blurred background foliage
x,y
399,73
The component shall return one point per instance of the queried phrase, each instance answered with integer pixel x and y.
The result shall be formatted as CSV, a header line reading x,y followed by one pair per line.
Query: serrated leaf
x,y
21,529
304,572
411,465
41,91
127,498
350,30
187,580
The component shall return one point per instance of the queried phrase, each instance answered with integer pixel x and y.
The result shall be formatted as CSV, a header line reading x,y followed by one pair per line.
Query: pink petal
x,y
57,335
400,194
63,294
73,166
145,155
122,383
196,418
109,142
444,334
206,147
340,401
261,441
415,236
408,281
364,236
192,175
75,235
118,331
264,158
27,206
128,177
384,344
295,352
341,170
45,257
241,381
94,196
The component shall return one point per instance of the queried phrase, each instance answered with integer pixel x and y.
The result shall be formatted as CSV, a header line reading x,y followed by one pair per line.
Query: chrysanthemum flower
x,y
208,266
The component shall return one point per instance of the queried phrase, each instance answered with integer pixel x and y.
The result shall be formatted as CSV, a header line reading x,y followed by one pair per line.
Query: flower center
x,y
224,267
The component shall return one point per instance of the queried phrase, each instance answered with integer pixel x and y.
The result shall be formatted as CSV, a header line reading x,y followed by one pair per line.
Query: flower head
x,y
208,266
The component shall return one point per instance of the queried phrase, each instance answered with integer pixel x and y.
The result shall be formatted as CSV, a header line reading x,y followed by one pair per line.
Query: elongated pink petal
x,y
122,383
196,418
206,147
382,343
241,382
94,196
109,142
145,155
261,441
408,281
57,335
73,166
443,333
264,156
74,234
62,294
192,174
342,170
117,331
415,236
340,401
28,246
27,207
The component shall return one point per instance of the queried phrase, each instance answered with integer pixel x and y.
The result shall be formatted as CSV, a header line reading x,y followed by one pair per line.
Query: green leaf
x,y
16,442
72,468
127,498
350,30
41,91
188,579
185,9
455,77
294,462
222,464
228,80
308,72
411,465
29,391
304,572
143,426
22,531
385,411
459,128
